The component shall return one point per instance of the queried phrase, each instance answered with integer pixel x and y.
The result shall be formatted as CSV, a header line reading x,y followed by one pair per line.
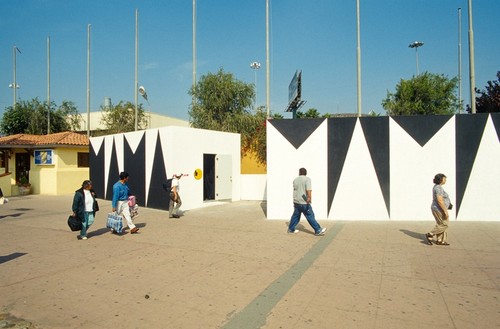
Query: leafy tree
x,y
65,118
31,117
221,103
311,113
224,103
120,118
489,99
426,93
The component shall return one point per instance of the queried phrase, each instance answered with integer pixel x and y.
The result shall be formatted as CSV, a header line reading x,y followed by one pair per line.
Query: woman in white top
x,y
84,207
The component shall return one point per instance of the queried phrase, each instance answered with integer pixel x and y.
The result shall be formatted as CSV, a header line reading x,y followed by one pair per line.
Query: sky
x,y
317,37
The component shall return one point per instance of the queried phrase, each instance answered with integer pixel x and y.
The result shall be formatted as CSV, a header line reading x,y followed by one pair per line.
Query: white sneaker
x,y
293,232
321,232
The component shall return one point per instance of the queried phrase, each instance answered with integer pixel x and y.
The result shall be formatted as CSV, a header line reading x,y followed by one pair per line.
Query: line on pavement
x,y
254,315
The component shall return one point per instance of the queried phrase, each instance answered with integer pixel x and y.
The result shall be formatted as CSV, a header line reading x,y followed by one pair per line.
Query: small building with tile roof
x,y
53,164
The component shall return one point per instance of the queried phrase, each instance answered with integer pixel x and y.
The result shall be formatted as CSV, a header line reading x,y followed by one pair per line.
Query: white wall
x,y
465,148
254,187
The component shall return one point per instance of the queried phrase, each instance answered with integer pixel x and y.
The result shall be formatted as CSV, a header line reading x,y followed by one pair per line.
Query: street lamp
x,y
14,85
255,66
415,45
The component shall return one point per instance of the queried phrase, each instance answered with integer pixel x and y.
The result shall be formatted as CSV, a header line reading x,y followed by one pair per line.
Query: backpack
x,y
168,185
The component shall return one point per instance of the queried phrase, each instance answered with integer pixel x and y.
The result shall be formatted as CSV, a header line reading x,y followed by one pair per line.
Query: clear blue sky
x,y
315,36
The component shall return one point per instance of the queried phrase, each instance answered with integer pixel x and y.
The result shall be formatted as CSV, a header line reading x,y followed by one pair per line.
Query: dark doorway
x,y
22,166
208,176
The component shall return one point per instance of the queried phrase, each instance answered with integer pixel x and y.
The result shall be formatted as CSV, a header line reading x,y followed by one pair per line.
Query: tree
x,y
223,103
426,93
66,117
31,117
120,118
311,113
489,99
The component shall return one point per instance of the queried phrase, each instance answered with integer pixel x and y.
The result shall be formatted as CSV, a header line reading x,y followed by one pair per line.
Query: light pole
x,y
255,66
460,60
14,85
415,45
472,69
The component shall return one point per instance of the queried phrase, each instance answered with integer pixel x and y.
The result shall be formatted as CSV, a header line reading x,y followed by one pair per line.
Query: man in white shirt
x,y
175,198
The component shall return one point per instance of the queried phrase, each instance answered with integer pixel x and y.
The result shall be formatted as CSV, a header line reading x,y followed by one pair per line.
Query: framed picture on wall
x,y
43,157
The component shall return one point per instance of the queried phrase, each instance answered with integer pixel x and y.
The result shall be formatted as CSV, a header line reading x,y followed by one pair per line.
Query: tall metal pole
x,y
471,63
358,56
416,54
88,80
48,85
415,45
194,45
459,60
255,66
268,86
136,85
14,86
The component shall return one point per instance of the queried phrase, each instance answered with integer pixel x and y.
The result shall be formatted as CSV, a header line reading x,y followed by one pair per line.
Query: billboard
x,y
294,88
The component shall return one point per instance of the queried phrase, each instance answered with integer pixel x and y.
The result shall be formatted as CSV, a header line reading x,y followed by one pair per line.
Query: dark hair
x,y
302,172
123,175
86,183
438,179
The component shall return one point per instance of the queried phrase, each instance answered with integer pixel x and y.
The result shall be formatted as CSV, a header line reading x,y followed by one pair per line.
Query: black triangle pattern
x,y
340,132
468,133
158,197
134,165
296,131
113,174
422,127
376,131
96,170
495,117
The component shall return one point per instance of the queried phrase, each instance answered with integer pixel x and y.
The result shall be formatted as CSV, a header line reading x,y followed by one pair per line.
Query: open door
x,y
223,177
208,177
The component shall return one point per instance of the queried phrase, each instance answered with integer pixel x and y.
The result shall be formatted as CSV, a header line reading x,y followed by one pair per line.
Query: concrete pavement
x,y
226,266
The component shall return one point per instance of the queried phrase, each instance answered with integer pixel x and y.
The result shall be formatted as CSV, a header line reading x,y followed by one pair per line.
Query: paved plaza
x,y
226,266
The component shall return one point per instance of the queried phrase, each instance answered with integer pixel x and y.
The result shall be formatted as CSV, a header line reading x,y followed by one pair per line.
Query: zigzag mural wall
x,y
381,168
151,156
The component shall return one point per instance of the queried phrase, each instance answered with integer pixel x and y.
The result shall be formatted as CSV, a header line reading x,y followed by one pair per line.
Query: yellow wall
x,y
249,165
61,177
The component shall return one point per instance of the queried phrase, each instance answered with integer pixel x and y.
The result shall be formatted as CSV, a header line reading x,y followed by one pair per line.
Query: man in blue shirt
x,y
119,203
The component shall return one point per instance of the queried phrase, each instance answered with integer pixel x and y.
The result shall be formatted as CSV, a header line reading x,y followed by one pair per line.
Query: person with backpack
x,y
175,198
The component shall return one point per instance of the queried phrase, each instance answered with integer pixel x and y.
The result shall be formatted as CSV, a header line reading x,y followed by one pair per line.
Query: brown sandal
x,y
429,236
442,243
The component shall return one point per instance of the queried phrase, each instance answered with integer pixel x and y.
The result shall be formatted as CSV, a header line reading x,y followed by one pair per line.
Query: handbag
x,y
74,223
131,201
114,222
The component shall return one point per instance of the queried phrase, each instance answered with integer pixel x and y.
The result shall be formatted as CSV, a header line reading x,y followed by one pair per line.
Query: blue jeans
x,y
89,220
307,210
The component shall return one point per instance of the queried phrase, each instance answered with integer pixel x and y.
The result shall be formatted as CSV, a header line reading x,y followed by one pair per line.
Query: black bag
x,y
168,185
74,223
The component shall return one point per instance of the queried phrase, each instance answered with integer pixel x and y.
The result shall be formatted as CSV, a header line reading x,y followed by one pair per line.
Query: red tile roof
x,y
63,138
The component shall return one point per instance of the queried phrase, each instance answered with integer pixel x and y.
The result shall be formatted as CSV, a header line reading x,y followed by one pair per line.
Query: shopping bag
x,y
134,211
114,222
74,223
131,201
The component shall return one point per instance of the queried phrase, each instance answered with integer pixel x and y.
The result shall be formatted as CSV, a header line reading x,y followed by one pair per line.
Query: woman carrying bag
x,y
84,207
